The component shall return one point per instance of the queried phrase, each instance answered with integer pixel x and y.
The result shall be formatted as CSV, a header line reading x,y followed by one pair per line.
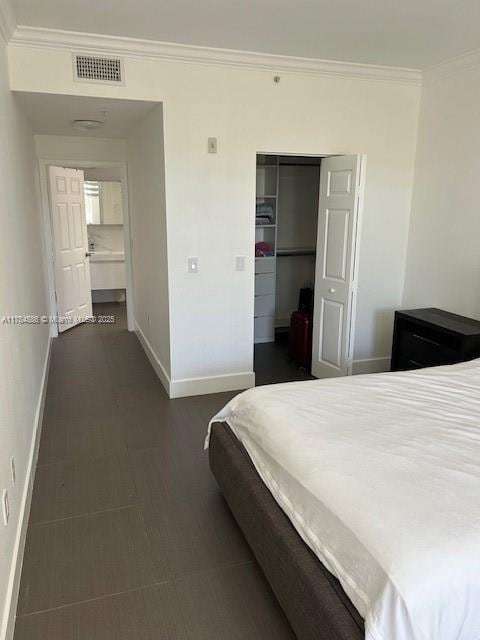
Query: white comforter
x,y
380,475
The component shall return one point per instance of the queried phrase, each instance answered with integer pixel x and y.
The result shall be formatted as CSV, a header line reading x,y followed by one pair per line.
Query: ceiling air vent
x,y
98,69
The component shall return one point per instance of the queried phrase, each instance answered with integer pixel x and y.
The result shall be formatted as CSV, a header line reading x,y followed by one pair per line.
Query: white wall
x,y
210,198
23,349
146,172
80,148
443,268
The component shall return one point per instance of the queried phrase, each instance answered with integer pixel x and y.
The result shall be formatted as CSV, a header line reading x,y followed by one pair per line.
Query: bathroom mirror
x,y
103,202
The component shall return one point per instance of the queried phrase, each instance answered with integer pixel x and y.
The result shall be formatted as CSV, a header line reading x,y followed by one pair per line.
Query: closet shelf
x,y
304,251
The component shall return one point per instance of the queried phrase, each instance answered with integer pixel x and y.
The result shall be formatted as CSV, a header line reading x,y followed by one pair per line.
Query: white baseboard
x,y
154,361
193,386
211,384
371,365
8,626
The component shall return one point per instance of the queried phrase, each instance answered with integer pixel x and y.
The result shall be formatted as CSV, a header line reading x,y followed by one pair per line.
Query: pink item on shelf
x,y
263,249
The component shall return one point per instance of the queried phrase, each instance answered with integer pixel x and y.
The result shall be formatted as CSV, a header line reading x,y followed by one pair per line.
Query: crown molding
x,y
7,20
466,62
25,36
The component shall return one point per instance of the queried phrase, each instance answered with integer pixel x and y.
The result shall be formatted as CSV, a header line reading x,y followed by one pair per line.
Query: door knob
x,y
332,290
88,254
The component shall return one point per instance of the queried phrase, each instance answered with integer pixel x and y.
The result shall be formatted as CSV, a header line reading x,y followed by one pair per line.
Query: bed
x,y
360,499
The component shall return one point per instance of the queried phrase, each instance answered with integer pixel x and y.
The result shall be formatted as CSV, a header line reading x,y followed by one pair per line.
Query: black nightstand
x,y
431,337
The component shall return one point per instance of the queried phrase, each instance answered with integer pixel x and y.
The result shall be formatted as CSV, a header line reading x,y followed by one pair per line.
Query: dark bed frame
x,y
312,598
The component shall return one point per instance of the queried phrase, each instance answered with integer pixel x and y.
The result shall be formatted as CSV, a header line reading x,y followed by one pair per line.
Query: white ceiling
x,y
409,33
53,114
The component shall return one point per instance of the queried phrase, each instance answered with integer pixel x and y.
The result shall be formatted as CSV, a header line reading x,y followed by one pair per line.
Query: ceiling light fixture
x,y
87,125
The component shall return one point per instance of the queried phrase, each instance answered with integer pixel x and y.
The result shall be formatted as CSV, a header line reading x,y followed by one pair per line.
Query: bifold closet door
x,y
336,265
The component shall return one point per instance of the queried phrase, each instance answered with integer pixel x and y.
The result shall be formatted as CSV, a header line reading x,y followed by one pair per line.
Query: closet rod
x,y
299,164
295,252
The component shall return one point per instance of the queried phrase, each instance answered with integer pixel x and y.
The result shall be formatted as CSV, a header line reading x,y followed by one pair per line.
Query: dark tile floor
x,y
129,537
272,365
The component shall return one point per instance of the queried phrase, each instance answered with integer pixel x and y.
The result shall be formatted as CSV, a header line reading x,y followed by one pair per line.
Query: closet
x,y
265,247
286,215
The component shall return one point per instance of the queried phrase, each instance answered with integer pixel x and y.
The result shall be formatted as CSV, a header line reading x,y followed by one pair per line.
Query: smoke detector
x,y
87,125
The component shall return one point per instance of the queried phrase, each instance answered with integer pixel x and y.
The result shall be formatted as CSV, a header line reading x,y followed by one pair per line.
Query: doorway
x,y
307,225
86,221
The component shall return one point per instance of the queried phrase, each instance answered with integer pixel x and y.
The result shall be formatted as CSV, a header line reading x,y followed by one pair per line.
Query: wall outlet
x,y
212,145
13,471
5,507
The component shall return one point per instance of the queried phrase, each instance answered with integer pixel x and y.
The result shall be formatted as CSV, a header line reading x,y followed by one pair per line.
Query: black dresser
x,y
431,337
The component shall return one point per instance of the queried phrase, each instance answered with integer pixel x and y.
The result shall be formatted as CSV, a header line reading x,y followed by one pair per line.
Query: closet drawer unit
x,y
264,329
264,306
265,265
433,337
264,284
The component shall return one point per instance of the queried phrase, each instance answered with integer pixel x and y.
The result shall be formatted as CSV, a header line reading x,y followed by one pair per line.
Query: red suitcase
x,y
300,339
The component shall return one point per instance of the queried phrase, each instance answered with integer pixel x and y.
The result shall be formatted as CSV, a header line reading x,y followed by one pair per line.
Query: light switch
x,y
212,145
240,263
192,265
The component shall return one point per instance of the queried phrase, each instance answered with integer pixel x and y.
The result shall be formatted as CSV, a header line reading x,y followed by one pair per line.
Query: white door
x,y
72,269
339,211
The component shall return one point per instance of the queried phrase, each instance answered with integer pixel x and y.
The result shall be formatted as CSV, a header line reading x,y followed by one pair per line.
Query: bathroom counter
x,y
107,270
107,256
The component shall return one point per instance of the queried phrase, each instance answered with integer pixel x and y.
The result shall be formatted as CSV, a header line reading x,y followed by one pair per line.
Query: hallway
x,y
129,537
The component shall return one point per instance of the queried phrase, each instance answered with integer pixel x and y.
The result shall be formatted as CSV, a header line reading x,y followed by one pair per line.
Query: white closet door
x,y
72,269
336,266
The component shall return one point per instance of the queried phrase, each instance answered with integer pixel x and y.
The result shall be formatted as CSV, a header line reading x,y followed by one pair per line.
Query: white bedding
x,y
380,475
